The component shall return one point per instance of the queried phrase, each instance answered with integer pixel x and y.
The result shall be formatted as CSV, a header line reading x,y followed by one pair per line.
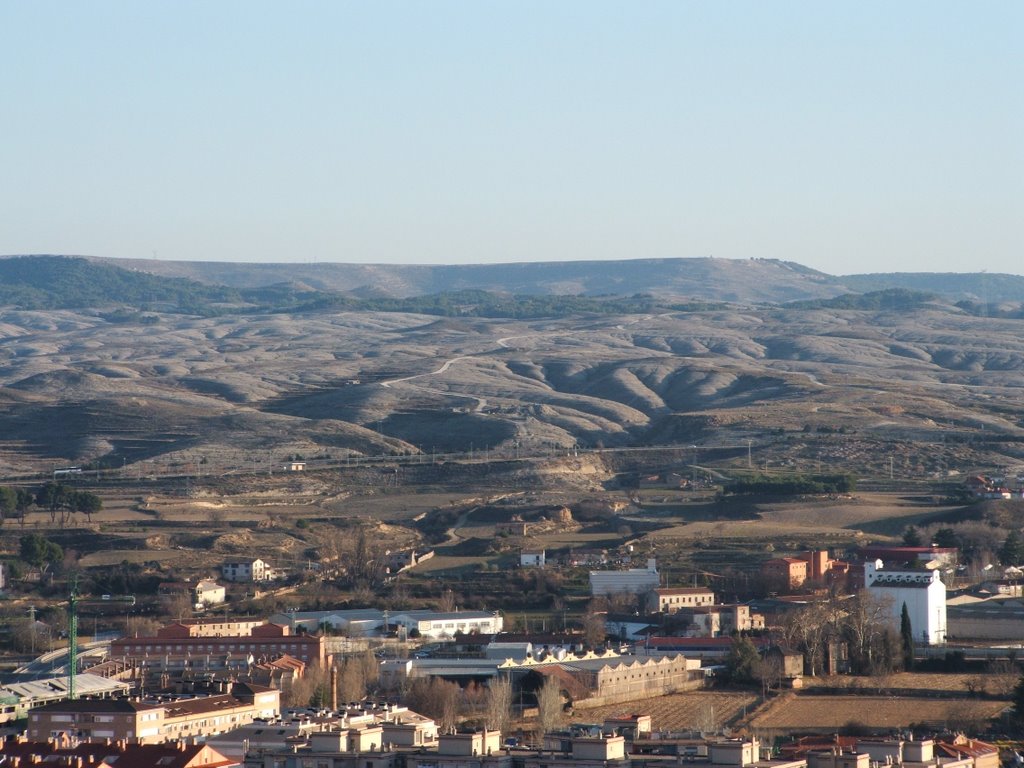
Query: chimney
x,y
334,688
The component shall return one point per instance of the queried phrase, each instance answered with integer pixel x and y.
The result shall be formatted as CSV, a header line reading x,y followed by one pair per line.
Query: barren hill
x,y
720,279
936,388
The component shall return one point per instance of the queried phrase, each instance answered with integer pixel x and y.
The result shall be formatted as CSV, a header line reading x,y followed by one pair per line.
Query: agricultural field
x,y
996,683
826,714
698,710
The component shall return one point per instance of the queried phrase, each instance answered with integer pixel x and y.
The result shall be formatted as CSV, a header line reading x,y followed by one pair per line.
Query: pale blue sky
x,y
847,136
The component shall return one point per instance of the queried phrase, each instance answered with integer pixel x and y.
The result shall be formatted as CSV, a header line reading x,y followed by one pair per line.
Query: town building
x,y
921,591
154,722
212,627
719,620
208,592
584,557
986,621
398,727
672,599
406,559
911,556
621,679
531,558
370,622
183,644
786,573
633,581
514,527
254,571
17,698
69,753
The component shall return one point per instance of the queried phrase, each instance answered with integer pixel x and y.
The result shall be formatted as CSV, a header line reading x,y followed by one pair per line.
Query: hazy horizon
x,y
486,264
848,139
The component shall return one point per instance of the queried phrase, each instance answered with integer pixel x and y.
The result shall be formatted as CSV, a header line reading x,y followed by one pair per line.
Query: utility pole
x,y
750,464
32,627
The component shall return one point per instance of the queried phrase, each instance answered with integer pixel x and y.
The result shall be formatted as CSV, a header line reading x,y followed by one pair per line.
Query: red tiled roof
x,y
969,747
99,755
801,747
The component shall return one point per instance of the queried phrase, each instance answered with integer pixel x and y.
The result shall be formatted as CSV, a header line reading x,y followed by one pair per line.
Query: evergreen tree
x,y
1012,551
8,501
911,537
1018,699
907,638
743,660
946,537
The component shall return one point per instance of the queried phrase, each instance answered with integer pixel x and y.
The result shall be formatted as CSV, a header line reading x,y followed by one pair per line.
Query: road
x,y
481,402
56,662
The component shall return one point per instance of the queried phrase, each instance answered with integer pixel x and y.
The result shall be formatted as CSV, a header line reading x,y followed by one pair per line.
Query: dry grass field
x,y
698,710
992,683
233,395
828,713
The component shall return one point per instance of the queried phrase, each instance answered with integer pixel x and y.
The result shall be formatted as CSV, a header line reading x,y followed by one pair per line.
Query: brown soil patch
x,y
698,710
828,713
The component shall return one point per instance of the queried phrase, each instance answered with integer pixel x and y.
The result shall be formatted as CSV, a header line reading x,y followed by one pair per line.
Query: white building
x,y
922,592
635,581
248,570
531,558
208,592
371,622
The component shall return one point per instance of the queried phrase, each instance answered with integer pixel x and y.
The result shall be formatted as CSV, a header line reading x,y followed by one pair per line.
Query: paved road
x,y
56,662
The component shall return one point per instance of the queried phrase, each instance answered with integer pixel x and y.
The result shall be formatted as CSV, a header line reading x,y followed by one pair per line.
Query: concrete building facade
x,y
923,593
634,581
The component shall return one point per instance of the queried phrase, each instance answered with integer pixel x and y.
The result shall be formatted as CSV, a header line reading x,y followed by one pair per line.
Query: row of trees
x,y
445,702
490,706
14,502
55,498
1009,552
791,485
858,625
65,501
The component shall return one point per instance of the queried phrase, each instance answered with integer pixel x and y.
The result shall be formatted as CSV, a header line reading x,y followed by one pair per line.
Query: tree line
x,y
791,485
859,624
61,501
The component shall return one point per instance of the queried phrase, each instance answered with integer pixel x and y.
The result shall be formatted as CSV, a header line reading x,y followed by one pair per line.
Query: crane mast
x,y
74,600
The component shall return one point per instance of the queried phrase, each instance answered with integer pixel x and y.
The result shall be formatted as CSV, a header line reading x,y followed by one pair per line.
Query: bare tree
x,y
499,704
446,603
549,707
351,679
180,606
1003,676
864,623
811,629
769,672
705,719
437,699
594,629
304,689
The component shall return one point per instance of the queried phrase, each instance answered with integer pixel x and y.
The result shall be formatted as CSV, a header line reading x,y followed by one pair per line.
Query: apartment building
x,y
153,721
190,642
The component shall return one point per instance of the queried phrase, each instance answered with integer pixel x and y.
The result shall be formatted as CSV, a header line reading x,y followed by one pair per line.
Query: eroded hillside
x,y
75,388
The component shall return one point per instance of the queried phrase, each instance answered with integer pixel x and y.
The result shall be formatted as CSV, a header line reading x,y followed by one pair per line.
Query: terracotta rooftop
x,y
97,754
